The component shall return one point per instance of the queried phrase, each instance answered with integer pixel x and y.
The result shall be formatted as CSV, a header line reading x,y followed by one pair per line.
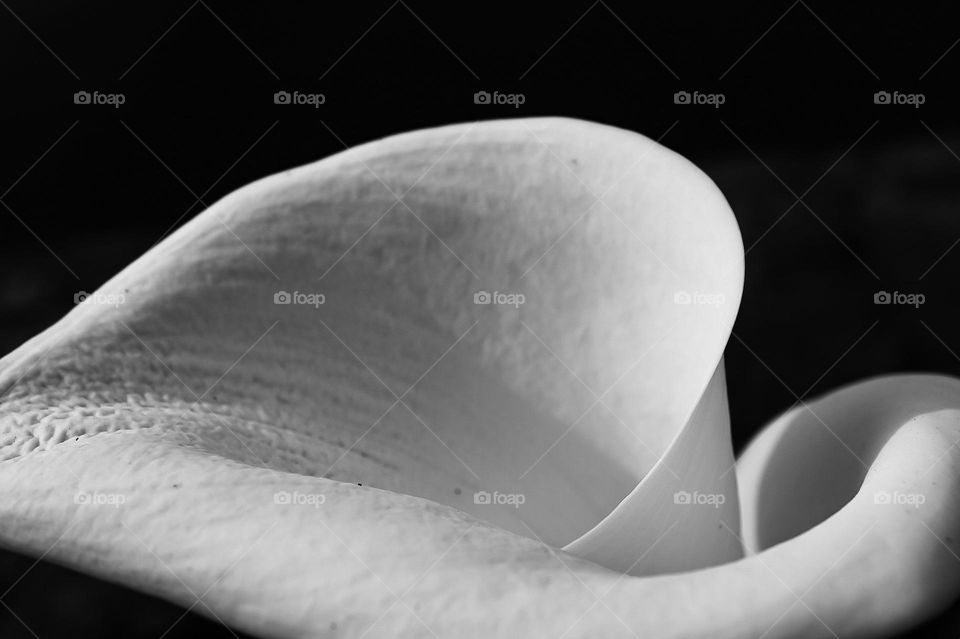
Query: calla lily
x,y
468,382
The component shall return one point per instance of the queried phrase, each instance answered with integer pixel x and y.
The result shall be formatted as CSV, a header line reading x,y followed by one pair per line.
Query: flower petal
x,y
370,394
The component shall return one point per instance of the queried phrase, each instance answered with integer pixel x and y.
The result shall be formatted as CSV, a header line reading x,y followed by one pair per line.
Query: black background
x,y
837,197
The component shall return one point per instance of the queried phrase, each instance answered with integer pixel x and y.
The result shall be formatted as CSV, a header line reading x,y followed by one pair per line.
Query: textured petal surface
x,y
373,394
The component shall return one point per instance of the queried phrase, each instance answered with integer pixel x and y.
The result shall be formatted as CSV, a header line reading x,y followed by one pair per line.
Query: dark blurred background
x,y
838,196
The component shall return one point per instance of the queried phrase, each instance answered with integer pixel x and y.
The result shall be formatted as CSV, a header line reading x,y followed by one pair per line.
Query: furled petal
x,y
372,394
